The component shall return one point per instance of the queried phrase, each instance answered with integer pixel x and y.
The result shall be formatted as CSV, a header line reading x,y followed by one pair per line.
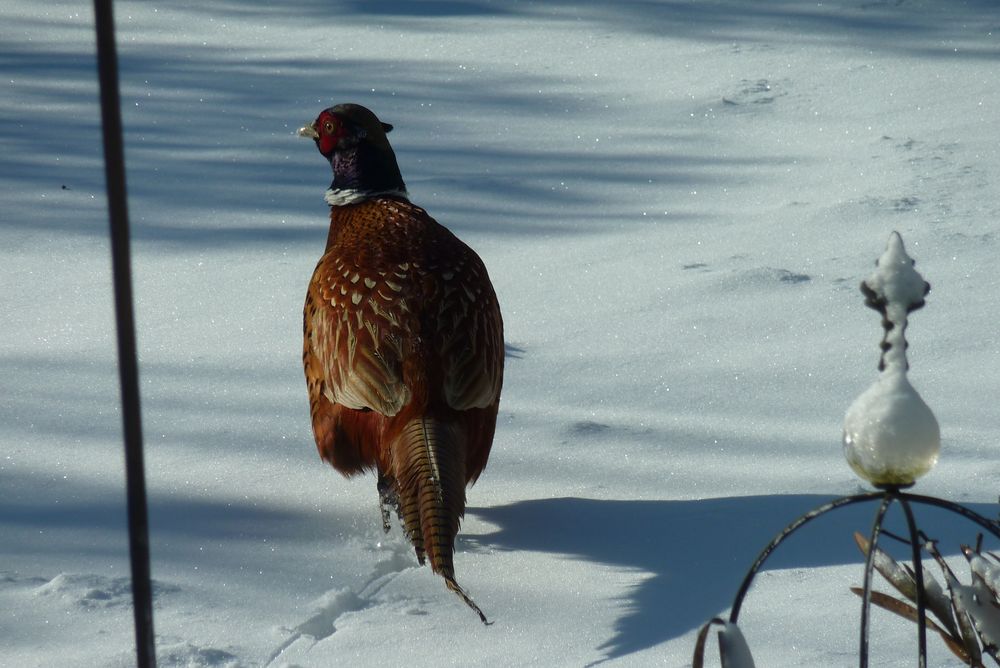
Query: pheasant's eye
x,y
328,127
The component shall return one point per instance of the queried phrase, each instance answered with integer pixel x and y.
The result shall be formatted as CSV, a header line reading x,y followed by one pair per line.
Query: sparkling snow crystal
x,y
891,437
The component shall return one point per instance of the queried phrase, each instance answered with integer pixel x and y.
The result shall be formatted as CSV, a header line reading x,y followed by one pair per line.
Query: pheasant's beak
x,y
309,131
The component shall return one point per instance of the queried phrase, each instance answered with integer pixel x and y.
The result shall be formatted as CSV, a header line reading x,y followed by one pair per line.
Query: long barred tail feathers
x,y
430,471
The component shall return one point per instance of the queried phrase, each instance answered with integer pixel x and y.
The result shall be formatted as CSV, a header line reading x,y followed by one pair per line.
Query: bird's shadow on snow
x,y
697,552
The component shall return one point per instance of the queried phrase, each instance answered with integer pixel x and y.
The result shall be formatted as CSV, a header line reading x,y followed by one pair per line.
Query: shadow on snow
x,y
210,131
697,552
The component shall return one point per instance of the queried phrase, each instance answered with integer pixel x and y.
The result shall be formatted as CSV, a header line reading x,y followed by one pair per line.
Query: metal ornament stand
x,y
886,498
891,437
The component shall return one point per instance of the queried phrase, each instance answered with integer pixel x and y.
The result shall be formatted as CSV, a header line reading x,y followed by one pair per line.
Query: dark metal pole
x,y
866,597
918,576
128,365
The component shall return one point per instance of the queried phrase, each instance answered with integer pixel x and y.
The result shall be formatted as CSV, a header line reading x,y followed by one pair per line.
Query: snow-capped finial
x,y
891,436
894,290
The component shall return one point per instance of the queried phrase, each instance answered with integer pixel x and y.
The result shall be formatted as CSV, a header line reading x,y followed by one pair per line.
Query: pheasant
x,y
403,343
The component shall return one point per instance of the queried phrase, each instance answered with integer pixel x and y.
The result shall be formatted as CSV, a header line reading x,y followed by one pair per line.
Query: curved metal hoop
x,y
887,498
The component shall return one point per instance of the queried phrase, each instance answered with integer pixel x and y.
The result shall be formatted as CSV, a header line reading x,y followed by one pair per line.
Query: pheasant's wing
x,y
469,334
355,334
469,341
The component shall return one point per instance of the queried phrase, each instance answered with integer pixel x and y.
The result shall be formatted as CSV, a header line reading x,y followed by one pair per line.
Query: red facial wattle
x,y
330,131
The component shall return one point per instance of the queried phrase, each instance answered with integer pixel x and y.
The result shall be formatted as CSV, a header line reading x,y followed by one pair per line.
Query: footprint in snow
x,y
94,591
588,428
186,655
9,579
947,177
338,602
754,94
513,352
905,204
766,278
701,266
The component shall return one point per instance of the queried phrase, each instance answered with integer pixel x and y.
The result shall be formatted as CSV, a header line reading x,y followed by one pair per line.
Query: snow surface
x,y
733,649
676,202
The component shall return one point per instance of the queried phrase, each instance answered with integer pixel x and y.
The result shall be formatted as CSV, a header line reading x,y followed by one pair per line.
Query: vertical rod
x,y
128,366
918,575
866,596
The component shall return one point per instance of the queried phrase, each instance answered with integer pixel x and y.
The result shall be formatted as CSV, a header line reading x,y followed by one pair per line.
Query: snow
x,y
979,603
985,569
676,202
733,648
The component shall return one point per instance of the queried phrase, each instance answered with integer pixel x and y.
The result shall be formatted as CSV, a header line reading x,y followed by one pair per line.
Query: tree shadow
x,y
215,169
900,26
696,552
55,524
879,25
213,161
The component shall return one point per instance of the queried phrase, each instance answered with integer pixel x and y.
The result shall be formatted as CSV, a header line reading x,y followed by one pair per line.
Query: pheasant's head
x,y
344,127
354,140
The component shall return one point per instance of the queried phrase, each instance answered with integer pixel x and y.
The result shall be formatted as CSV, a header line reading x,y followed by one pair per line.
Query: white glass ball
x,y
891,436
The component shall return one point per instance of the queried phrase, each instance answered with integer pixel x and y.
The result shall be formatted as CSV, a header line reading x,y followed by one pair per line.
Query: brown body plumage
x,y
403,344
